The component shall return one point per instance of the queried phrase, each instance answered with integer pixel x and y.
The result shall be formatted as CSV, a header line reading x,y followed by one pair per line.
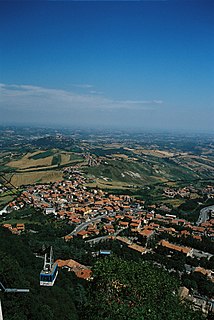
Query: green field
x,y
130,172
42,155
75,156
5,200
120,167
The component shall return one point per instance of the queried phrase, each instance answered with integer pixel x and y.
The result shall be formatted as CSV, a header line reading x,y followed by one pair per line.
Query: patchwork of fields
x,y
40,166
44,159
117,167
29,161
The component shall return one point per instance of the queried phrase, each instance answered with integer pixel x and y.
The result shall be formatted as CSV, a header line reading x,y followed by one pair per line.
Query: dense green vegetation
x,y
6,197
42,155
5,169
130,290
121,289
56,159
199,282
190,209
46,230
144,292
19,268
50,142
110,151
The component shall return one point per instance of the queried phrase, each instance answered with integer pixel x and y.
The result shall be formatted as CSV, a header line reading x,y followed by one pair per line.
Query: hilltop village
x,y
97,216
80,206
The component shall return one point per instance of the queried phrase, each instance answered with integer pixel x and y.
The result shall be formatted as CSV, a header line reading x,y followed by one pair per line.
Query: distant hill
x,y
50,142
139,172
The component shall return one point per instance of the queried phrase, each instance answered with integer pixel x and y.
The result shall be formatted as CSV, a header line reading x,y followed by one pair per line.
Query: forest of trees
x,y
120,289
129,290
20,268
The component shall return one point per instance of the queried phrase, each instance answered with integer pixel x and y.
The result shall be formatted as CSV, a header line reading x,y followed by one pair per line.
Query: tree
x,y
19,268
134,290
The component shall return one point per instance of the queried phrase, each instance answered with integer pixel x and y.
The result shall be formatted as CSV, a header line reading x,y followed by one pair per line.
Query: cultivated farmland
x,y
19,179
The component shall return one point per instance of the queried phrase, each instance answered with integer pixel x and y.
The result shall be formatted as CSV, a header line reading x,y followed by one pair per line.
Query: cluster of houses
x,y
91,161
72,201
106,214
209,190
3,188
15,229
144,228
100,214
197,302
80,270
185,192
189,192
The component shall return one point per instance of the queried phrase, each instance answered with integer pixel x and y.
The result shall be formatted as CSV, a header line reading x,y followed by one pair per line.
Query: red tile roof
x,y
80,270
172,246
146,233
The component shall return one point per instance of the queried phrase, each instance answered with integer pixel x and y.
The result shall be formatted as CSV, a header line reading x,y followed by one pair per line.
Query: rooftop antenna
x,y
9,290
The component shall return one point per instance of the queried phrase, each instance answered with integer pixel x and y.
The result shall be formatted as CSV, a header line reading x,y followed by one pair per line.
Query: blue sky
x,y
145,64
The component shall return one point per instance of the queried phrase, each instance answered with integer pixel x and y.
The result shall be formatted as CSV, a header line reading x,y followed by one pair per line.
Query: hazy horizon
x,y
125,65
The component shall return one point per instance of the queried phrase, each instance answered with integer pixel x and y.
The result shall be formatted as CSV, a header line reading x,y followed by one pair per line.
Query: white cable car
x,y
50,270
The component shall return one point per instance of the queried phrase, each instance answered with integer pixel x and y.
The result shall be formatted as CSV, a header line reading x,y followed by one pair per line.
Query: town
x,y
175,244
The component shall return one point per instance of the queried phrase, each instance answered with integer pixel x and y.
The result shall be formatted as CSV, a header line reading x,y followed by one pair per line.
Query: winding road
x,y
204,215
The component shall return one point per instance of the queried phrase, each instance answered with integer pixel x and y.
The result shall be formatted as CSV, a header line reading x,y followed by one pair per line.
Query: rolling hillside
x,y
132,172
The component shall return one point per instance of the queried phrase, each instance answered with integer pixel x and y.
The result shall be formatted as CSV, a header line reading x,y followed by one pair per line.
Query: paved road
x,y
98,239
4,210
83,225
201,254
204,215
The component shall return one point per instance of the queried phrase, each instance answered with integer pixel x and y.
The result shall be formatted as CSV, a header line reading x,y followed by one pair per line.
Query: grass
x,y
153,152
75,157
8,192
44,160
19,179
110,151
27,161
173,202
121,171
6,169
65,158
132,175
105,185
27,215
138,173
5,200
